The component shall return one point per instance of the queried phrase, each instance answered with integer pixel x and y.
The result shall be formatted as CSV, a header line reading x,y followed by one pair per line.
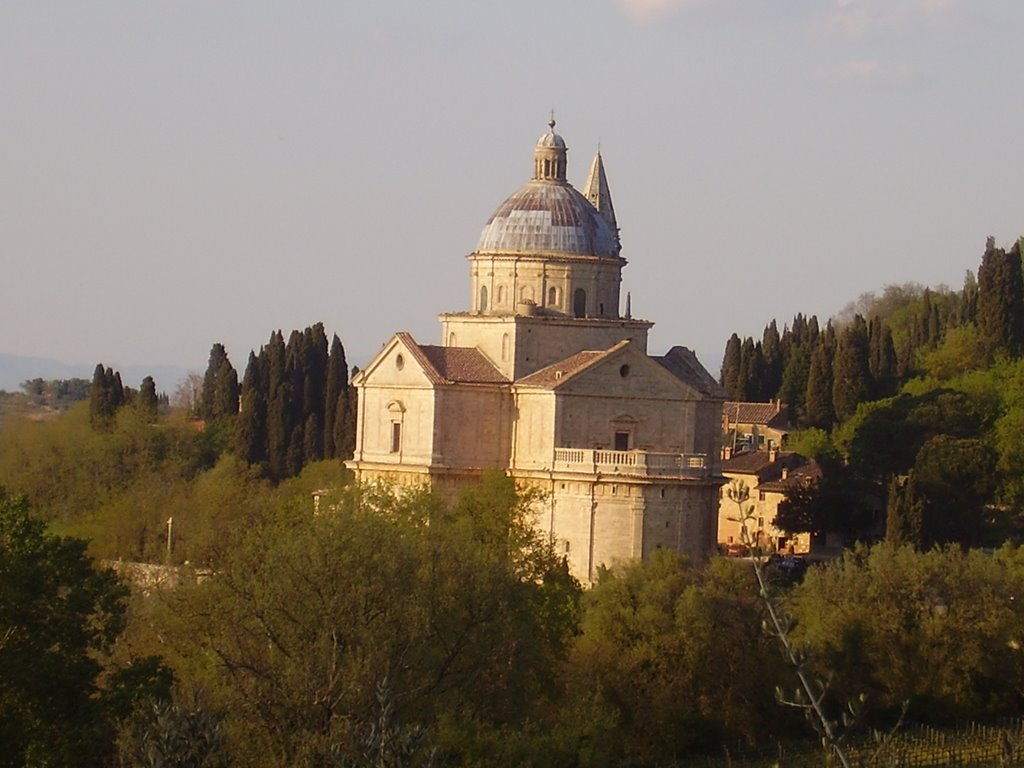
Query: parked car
x,y
737,549
791,564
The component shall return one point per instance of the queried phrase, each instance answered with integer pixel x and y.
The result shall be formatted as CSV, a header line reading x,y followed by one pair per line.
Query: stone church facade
x,y
546,379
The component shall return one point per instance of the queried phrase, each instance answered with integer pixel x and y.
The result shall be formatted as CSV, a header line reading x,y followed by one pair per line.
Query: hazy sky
x,y
179,173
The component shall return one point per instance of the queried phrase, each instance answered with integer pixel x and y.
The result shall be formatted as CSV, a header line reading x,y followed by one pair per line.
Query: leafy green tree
x,y
937,629
836,503
956,477
59,616
655,628
464,609
959,351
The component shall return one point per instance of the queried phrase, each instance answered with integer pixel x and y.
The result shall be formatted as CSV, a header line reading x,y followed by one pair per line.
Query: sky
x,y
174,174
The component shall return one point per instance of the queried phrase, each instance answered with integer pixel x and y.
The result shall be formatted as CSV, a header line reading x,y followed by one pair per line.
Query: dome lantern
x,y
549,156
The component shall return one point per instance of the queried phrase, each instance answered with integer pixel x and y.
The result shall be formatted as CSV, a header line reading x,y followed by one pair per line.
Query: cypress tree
x,y
278,412
904,522
812,330
208,403
220,390
751,366
799,332
148,404
924,327
968,310
1000,312
794,378
225,399
336,389
850,373
882,359
106,395
99,399
251,434
314,389
818,398
771,354
115,390
313,439
345,422
730,379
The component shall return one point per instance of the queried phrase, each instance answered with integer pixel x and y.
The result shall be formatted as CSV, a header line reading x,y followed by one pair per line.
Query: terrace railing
x,y
636,463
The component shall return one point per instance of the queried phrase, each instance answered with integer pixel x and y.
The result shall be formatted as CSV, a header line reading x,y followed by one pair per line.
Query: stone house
x,y
769,475
755,426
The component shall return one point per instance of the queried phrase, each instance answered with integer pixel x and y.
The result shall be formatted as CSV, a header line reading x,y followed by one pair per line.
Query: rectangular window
x,y
622,441
396,436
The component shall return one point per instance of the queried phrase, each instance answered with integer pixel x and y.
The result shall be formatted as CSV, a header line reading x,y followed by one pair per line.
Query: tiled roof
x,y
774,414
802,475
558,372
463,365
759,463
684,365
453,365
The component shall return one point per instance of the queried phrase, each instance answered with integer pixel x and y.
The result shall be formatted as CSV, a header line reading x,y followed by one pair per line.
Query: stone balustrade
x,y
637,463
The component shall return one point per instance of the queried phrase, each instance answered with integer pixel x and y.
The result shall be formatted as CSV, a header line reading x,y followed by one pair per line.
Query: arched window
x,y
396,411
483,298
451,339
504,347
526,295
500,301
553,296
579,303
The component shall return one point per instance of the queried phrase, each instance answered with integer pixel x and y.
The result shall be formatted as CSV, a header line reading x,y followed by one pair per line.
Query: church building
x,y
546,378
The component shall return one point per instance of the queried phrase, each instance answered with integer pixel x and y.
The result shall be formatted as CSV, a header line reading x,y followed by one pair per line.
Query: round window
x,y
399,362
624,371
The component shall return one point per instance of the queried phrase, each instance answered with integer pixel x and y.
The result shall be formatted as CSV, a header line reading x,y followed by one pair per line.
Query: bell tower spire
x,y
597,192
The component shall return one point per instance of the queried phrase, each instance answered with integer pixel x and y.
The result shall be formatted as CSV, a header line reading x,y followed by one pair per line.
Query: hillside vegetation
x,y
316,622
913,400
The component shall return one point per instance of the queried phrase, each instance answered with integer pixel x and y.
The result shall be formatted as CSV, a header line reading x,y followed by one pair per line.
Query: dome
x,y
550,139
548,217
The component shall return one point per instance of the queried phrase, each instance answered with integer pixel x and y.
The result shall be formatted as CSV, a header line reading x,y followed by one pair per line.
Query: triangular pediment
x,y
621,369
400,362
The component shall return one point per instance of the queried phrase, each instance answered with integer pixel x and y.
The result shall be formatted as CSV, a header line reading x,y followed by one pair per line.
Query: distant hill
x,y
14,369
